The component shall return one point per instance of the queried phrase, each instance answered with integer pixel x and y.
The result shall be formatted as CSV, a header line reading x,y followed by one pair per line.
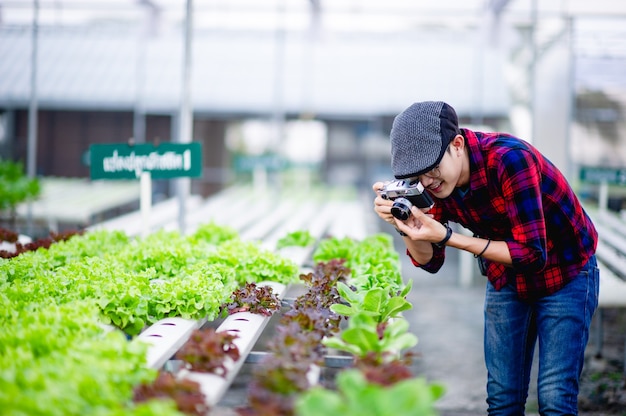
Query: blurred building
x,y
118,72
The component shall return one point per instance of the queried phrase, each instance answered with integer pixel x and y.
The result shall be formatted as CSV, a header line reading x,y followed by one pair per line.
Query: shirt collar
x,y
477,162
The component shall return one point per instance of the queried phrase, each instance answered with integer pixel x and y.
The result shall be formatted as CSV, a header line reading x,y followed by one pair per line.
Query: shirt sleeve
x,y
435,262
439,253
520,178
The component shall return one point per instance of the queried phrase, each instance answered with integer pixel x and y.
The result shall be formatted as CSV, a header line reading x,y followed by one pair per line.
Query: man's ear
x,y
458,142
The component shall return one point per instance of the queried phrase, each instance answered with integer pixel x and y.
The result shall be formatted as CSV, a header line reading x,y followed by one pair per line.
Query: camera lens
x,y
401,208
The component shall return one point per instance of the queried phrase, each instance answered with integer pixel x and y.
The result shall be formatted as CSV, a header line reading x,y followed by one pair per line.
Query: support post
x,y
145,202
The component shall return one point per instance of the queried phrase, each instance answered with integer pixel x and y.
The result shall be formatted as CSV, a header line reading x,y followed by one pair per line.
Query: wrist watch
x,y
402,233
443,242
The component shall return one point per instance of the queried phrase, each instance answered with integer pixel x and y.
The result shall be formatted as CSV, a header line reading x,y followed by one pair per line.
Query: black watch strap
x,y
402,233
443,242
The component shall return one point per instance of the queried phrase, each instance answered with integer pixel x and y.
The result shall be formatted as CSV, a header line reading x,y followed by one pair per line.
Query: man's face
x,y
442,179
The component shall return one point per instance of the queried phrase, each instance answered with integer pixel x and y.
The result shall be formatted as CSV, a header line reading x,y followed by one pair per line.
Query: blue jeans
x,y
560,322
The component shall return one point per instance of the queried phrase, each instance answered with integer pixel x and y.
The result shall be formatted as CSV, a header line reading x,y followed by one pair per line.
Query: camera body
x,y
405,193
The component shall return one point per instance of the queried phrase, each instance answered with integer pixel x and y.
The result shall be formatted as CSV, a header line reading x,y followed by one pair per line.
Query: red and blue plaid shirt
x,y
518,196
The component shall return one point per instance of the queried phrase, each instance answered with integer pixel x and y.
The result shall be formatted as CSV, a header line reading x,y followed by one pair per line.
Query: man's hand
x,y
382,206
421,226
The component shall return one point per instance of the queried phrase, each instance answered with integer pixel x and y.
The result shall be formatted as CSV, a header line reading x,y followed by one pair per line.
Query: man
x,y
535,241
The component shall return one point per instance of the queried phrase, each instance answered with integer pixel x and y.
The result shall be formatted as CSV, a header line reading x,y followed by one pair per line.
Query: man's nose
x,y
425,180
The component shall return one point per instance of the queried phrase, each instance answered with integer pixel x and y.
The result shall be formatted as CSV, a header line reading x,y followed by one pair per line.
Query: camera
x,y
405,193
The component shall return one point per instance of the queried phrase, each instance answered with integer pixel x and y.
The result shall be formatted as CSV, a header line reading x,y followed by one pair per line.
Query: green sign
x,y
614,176
123,161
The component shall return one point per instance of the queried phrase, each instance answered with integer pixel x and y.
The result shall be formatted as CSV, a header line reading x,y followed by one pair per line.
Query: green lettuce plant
x,y
373,261
376,328
299,238
375,302
251,263
364,335
15,186
356,396
213,234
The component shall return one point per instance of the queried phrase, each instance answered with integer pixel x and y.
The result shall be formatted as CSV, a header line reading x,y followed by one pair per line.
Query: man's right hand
x,y
382,206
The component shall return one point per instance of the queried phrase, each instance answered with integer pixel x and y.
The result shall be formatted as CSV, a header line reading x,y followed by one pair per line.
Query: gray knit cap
x,y
420,136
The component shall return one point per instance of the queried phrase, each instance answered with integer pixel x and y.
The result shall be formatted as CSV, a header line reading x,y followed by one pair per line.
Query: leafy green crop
x,y
335,248
15,186
57,360
55,355
373,261
251,263
56,301
212,233
355,396
300,238
363,336
138,282
375,302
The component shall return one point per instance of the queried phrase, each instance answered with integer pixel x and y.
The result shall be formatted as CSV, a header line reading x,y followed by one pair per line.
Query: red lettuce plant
x,y
185,393
206,351
45,242
8,235
387,372
281,375
253,298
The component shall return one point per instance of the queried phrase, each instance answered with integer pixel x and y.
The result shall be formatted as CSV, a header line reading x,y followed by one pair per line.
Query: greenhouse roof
x,y
334,58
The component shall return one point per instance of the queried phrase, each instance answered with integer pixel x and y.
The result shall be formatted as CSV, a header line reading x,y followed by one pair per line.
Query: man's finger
x,y
417,213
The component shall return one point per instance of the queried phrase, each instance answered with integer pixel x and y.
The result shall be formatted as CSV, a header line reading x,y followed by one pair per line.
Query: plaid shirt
x,y
518,196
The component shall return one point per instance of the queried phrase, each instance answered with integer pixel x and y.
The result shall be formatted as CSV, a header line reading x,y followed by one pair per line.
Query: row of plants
x,y
106,278
71,311
368,298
